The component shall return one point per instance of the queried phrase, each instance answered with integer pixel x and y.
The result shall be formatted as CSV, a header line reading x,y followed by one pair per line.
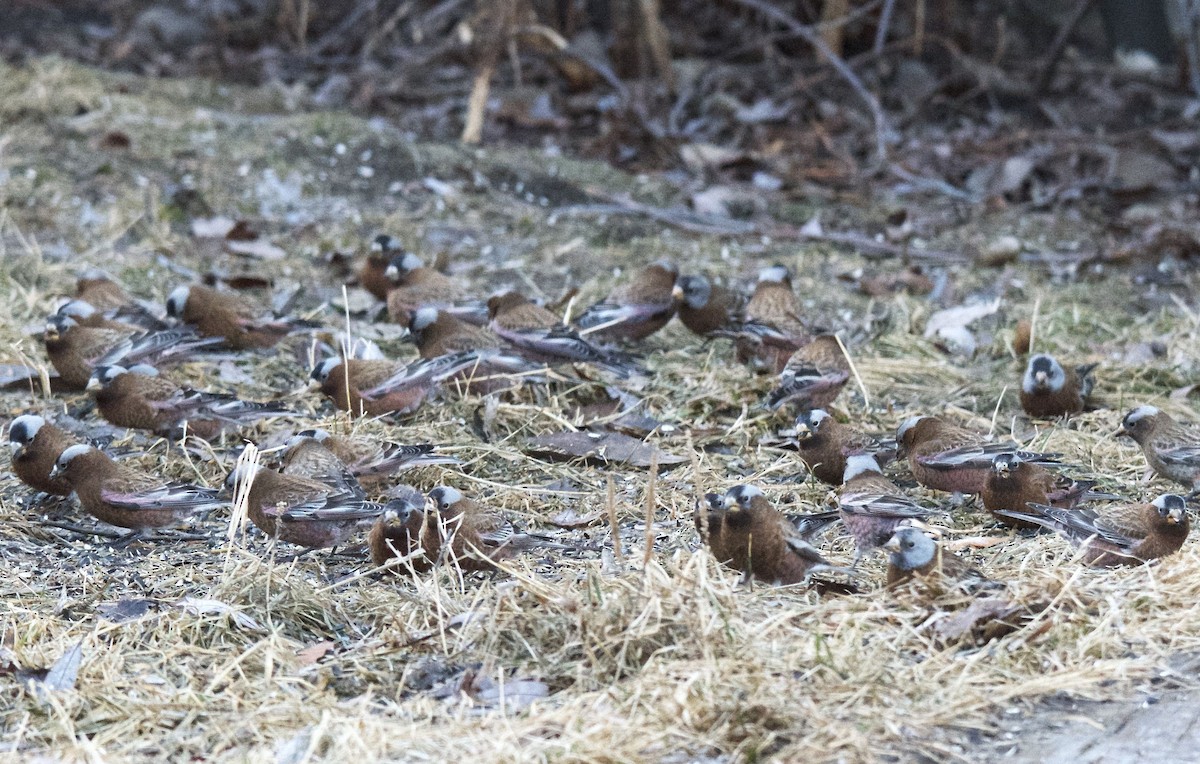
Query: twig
x,y
650,500
611,505
482,85
1059,44
862,388
720,226
812,38
881,31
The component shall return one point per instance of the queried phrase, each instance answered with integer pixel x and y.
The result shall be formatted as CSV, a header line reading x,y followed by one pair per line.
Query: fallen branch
x,y
713,225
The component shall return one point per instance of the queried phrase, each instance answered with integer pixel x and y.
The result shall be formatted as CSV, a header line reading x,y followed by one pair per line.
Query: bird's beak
x,y
17,448
803,432
1121,432
1040,377
893,544
55,472
51,334
314,385
677,293
729,504
392,273
376,246
93,384
1176,515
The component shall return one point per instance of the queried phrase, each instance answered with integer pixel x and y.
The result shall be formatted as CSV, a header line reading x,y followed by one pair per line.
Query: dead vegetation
x,y
225,649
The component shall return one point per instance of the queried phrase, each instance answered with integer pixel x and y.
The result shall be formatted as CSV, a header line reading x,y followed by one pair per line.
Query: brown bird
x,y
912,553
813,376
378,387
772,329
403,529
636,309
478,535
223,314
1128,534
707,309
140,399
108,300
101,290
539,336
872,506
75,350
36,446
307,456
1015,484
300,510
1048,390
946,457
118,495
414,286
746,532
823,443
372,275
86,314
438,334
368,458
1171,448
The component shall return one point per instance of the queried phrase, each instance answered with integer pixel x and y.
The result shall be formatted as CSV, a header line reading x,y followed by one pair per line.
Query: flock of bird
x,y
329,489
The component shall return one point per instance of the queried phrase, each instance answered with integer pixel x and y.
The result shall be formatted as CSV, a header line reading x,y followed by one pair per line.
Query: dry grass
x,y
241,654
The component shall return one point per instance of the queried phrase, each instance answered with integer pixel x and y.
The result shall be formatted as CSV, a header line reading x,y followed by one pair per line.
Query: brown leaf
x,y
314,653
600,448
241,231
114,139
983,620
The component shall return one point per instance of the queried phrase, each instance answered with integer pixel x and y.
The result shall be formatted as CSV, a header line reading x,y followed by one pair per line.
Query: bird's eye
x,y
908,545
445,505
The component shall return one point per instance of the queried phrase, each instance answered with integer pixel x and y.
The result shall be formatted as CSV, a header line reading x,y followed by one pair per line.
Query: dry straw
x,y
230,650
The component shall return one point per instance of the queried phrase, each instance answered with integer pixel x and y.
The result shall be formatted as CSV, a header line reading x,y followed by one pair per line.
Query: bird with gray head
x,y
1049,390
1171,448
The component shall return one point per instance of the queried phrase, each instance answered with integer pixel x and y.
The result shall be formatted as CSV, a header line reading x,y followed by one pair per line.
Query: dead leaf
x,y
950,326
598,447
982,621
702,156
569,518
509,695
1023,337
62,675
241,231
212,228
200,606
125,609
1182,393
114,140
259,249
314,653
16,374
1139,171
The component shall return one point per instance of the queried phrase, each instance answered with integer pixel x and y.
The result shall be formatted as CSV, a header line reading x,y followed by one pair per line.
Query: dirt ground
x,y
223,648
